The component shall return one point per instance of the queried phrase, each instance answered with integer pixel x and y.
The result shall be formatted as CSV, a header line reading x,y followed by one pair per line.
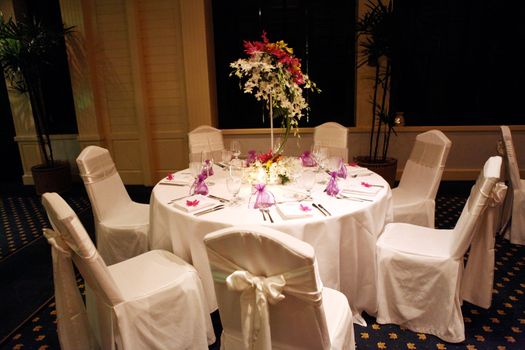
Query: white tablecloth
x,y
344,243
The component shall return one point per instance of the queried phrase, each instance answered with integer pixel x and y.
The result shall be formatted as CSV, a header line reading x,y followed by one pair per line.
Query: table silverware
x,y
262,212
172,184
267,211
342,196
210,210
318,208
176,199
220,199
327,212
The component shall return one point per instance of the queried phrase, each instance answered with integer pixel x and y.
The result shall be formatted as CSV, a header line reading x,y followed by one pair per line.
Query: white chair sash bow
x,y
427,154
72,321
99,172
478,278
257,292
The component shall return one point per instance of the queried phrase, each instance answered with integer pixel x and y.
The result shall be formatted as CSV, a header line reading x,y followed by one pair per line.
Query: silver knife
x,y
218,207
321,206
318,208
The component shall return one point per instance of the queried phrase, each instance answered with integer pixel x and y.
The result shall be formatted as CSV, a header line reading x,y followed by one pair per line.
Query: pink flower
x,y
170,176
304,208
193,203
366,184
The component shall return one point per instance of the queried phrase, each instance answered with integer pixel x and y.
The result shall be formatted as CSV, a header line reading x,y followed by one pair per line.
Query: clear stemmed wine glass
x,y
207,164
233,184
235,147
226,157
308,181
320,155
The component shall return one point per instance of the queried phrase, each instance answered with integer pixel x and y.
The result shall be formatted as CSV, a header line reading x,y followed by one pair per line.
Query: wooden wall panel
x,y
161,43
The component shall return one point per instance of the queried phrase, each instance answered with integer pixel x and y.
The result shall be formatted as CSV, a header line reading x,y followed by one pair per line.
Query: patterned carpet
x,y
502,327
24,217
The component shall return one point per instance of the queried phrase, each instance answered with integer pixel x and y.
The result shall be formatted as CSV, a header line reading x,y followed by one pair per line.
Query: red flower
x,y
264,157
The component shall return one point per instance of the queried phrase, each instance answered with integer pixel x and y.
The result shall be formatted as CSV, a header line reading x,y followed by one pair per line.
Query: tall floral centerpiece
x,y
273,74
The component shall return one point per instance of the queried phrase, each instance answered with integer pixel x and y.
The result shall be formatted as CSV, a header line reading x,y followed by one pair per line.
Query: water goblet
x,y
195,168
235,147
307,180
233,184
226,157
320,155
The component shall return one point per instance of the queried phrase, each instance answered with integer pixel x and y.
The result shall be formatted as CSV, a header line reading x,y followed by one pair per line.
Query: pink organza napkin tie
x,y
263,198
199,185
307,159
342,172
332,189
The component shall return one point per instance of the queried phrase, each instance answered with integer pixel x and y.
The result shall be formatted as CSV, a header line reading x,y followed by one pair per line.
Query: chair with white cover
x,y
334,137
205,138
152,301
270,295
420,269
121,225
414,198
516,193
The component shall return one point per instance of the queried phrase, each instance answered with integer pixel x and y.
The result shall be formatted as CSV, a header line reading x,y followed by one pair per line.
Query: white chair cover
x,y
334,137
151,301
478,277
516,192
205,138
270,295
420,269
121,225
414,198
73,327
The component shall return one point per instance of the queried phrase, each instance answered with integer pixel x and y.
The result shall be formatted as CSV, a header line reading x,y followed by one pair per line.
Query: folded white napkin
x,y
357,170
294,210
195,203
362,190
178,179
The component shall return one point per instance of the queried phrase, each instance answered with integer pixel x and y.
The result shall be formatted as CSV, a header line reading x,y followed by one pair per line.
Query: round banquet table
x,y
344,242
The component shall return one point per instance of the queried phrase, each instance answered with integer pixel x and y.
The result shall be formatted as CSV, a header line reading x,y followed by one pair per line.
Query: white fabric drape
x,y
414,198
205,138
270,295
257,292
74,332
345,243
478,277
121,225
334,137
516,192
420,269
151,301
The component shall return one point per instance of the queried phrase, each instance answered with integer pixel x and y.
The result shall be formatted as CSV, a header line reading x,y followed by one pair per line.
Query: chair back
x,y
334,137
511,160
205,138
84,253
476,205
273,258
103,184
424,168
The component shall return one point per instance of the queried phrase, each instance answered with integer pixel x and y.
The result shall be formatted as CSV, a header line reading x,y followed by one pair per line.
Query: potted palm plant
x,y
26,48
376,31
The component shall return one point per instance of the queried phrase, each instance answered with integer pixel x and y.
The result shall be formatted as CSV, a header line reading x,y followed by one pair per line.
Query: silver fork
x,y
267,211
262,212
